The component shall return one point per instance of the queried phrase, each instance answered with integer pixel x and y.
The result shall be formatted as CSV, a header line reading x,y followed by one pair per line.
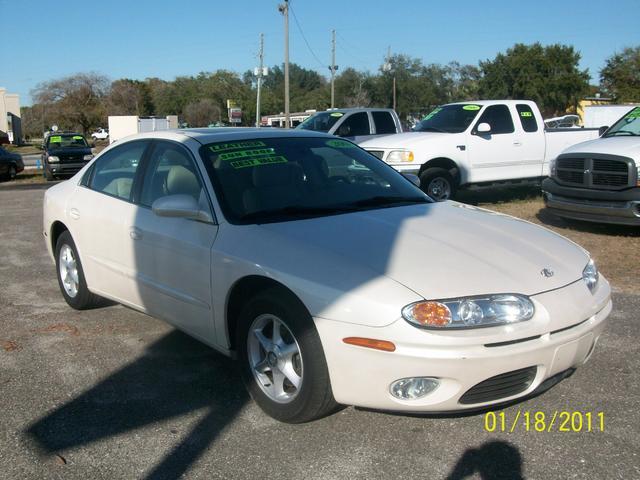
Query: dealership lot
x,y
111,393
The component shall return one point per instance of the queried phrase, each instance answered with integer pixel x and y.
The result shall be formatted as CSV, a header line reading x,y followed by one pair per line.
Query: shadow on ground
x,y
495,460
175,376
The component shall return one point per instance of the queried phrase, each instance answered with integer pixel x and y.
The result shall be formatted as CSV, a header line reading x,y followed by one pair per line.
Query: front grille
x,y
377,153
500,386
71,158
601,173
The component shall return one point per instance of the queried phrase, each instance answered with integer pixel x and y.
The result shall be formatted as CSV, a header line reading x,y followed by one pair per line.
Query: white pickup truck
x,y
480,143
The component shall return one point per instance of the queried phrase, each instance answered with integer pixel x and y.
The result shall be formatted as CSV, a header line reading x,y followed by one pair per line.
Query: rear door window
x,y
114,172
384,122
527,118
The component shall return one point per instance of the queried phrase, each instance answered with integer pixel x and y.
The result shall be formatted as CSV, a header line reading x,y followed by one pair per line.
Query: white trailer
x,y
121,126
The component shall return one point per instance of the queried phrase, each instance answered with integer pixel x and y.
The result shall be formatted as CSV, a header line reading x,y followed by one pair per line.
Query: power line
x,y
305,38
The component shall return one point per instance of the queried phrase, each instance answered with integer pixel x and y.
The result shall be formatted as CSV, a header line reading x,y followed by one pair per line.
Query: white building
x,y
10,116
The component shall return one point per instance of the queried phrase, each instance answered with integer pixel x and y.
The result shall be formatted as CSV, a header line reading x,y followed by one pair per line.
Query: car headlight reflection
x,y
471,312
590,275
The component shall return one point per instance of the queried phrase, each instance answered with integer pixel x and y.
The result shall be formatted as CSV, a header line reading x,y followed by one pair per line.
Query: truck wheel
x,y
48,175
438,184
281,358
12,172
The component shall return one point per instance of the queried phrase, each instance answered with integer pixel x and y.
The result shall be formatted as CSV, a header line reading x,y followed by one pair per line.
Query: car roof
x,y
493,102
225,134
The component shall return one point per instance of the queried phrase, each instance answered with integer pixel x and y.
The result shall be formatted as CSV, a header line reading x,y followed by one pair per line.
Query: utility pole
x,y
333,67
284,9
387,67
260,72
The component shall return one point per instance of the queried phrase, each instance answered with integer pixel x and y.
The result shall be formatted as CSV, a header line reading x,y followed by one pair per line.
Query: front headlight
x,y
590,275
471,312
86,158
400,156
53,159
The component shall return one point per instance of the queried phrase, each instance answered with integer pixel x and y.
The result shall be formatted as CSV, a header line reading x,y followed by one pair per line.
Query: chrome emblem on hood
x,y
546,272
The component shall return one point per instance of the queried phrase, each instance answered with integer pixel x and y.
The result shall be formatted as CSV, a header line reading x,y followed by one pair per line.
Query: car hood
x,y
625,146
442,250
404,140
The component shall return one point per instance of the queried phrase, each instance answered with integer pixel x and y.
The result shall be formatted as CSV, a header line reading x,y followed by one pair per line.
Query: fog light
x,y
413,388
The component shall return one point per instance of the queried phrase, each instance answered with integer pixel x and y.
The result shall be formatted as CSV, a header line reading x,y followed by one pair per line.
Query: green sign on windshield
x,y
471,107
434,112
635,113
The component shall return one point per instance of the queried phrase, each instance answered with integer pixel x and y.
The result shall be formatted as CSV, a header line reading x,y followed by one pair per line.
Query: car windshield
x,y
449,119
628,125
66,141
321,122
280,179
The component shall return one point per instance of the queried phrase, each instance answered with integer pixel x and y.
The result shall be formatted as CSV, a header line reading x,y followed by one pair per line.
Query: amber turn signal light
x,y
371,343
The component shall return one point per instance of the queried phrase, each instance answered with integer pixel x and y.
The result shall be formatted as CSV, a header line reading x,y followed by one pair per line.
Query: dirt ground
x,y
613,247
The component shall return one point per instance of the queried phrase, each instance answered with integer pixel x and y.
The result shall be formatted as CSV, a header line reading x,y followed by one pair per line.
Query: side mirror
x,y
180,206
412,178
484,128
602,129
41,146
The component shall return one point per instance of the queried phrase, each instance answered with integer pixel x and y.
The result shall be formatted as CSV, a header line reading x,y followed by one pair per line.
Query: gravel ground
x,y
111,393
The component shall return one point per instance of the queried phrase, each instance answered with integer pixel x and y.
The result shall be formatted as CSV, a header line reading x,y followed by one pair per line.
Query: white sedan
x,y
330,276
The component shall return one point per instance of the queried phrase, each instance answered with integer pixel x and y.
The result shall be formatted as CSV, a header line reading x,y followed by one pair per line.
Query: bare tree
x,y
76,101
202,112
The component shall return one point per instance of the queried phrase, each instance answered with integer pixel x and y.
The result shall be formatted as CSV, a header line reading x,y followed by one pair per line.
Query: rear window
x,y
384,122
527,119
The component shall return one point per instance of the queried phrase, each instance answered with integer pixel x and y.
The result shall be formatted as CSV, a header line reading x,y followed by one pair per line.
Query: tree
x,y
548,75
620,76
129,97
202,113
76,101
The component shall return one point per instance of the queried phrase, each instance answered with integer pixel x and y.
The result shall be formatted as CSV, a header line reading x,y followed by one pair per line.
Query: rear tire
x,y
71,280
297,351
438,183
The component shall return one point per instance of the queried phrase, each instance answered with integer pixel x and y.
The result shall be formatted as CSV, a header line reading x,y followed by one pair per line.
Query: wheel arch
x,y
242,290
57,229
442,162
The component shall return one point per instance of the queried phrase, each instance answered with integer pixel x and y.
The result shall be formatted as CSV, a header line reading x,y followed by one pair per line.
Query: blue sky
x,y
43,40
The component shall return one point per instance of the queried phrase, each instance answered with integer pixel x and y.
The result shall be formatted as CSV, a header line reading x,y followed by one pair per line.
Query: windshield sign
x,y
283,179
449,119
66,141
628,125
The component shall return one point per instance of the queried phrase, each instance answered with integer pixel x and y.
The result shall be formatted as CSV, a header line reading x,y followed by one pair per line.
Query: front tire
x,y
12,172
71,276
281,358
438,183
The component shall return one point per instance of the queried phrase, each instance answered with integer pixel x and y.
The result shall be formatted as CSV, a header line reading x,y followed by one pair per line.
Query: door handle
x,y
74,213
135,233
517,143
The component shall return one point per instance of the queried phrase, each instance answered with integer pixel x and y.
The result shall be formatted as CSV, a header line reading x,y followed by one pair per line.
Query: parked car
x,y
64,154
100,134
599,181
327,274
355,124
480,144
11,164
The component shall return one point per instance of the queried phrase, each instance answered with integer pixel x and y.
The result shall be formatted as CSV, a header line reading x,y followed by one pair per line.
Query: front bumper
x,y
66,168
621,207
561,336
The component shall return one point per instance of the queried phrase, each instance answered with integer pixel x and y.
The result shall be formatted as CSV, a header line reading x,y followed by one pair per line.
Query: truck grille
x,y
600,173
501,386
71,158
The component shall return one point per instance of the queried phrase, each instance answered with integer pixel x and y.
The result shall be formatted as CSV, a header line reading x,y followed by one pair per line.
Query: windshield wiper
x,y
626,132
434,129
295,211
388,200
